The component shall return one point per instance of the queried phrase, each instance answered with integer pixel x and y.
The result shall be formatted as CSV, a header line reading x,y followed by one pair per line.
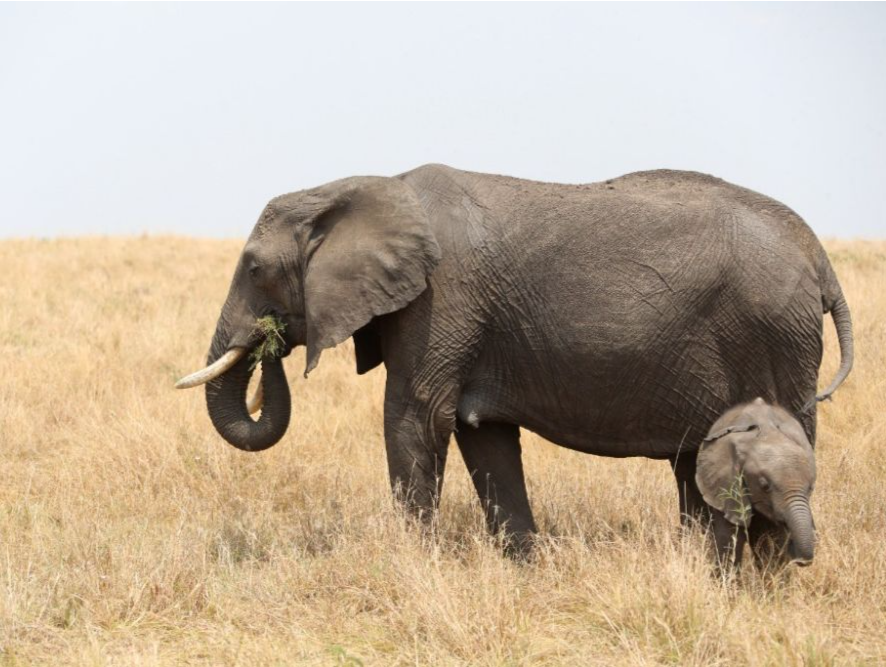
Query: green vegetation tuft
x,y
737,493
268,330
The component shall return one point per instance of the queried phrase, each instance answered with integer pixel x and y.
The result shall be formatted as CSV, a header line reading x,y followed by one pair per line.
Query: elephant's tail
x,y
834,302
843,324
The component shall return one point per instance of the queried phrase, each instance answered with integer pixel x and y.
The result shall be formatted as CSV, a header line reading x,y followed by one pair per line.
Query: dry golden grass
x,y
131,534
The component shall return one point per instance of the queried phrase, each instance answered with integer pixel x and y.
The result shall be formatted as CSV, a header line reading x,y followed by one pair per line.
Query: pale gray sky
x,y
187,118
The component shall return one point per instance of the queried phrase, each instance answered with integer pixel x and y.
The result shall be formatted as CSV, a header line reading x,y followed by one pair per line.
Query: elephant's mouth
x,y
253,346
290,333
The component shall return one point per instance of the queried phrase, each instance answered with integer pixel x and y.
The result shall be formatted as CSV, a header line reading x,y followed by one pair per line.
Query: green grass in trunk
x,y
269,330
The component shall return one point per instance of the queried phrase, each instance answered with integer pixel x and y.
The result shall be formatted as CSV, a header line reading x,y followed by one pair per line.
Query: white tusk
x,y
257,400
221,366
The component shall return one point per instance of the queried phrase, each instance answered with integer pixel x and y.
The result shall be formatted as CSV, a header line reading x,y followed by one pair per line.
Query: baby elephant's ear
x,y
719,477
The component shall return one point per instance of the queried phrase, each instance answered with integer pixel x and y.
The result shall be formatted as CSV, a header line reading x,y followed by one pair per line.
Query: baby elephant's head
x,y
757,458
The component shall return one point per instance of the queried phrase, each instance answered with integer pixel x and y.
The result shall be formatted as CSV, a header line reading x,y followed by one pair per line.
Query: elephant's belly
x,y
632,391
579,438
565,430
575,405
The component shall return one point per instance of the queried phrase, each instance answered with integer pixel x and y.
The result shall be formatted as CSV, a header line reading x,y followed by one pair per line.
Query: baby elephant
x,y
757,460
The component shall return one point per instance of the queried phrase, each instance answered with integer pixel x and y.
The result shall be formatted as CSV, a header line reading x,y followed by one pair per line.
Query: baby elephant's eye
x,y
253,271
764,484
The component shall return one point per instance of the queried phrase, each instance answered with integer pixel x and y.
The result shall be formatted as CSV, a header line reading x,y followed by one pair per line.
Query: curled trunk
x,y
226,402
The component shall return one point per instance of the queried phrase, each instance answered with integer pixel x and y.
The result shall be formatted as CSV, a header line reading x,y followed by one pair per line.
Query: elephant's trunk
x,y
226,402
799,521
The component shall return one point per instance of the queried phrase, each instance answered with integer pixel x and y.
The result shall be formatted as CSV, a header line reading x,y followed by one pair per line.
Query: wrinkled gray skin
x,y
618,318
758,463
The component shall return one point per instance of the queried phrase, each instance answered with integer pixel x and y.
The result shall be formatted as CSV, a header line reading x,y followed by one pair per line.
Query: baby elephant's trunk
x,y
799,520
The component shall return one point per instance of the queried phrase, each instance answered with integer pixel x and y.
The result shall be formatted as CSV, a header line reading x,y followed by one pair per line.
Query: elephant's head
x,y
324,262
757,458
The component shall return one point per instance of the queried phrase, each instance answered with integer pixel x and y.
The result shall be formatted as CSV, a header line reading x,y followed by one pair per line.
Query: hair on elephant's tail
x,y
834,302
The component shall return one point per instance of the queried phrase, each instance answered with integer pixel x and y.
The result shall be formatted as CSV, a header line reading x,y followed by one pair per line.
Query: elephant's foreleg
x,y
692,504
416,447
768,542
492,454
729,541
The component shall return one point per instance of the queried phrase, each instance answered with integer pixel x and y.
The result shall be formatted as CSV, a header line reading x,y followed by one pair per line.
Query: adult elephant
x,y
618,318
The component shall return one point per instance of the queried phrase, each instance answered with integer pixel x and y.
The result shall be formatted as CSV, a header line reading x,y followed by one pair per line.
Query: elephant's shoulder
x,y
439,178
667,177
431,168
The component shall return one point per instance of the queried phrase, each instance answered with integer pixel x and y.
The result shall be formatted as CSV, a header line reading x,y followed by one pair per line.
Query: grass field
x,y
131,534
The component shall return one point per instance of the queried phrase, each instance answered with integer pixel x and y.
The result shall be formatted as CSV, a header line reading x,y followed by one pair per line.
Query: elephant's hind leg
x,y
492,454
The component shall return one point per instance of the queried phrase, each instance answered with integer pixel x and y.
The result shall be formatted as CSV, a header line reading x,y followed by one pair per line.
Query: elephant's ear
x,y
718,474
370,252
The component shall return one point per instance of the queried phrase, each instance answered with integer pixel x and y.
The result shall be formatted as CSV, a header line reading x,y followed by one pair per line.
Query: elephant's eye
x,y
764,484
254,271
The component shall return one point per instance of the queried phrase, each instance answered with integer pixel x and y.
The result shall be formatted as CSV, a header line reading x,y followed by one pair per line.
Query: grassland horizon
x,y
131,534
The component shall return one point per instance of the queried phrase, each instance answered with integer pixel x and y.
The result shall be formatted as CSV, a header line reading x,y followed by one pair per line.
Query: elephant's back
x,y
699,228
703,198
659,238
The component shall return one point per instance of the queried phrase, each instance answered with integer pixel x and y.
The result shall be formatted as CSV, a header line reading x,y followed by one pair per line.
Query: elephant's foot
x,y
519,546
418,502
